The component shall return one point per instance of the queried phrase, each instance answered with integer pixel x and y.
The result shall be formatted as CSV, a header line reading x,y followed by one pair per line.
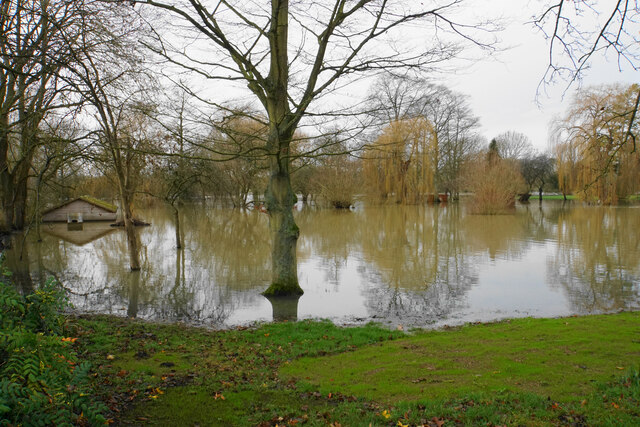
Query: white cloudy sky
x,y
503,89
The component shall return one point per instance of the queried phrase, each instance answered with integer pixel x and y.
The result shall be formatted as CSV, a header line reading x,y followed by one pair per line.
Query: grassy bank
x,y
573,371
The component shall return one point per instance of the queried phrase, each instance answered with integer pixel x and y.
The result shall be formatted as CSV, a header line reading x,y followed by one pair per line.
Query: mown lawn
x,y
570,371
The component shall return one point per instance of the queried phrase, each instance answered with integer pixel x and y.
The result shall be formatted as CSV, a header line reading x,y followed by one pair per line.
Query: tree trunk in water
x,y
176,218
284,237
540,193
130,230
280,197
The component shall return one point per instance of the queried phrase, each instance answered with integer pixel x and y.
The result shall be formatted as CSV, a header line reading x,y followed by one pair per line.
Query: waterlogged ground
x,y
408,265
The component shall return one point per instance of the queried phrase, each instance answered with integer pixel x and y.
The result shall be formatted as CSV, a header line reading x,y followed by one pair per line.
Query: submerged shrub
x,y
41,380
495,182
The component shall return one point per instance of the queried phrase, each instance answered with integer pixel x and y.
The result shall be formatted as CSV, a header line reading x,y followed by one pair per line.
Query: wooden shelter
x,y
81,209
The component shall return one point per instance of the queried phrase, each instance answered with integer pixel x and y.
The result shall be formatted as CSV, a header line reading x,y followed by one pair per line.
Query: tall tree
x,y
593,144
108,74
514,145
290,53
395,98
536,171
33,50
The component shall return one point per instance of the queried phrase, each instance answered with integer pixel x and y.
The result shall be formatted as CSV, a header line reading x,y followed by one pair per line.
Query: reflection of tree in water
x,y
498,236
597,262
331,234
231,245
170,286
415,263
421,271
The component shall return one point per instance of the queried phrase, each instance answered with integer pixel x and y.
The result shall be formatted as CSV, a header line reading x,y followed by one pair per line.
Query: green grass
x,y
550,357
577,370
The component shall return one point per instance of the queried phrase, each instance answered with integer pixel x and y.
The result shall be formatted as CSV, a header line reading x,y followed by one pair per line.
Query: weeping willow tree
x,y
567,157
401,165
596,149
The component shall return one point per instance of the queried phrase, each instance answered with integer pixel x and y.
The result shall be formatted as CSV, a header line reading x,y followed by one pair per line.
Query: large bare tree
x,y
107,72
33,50
290,53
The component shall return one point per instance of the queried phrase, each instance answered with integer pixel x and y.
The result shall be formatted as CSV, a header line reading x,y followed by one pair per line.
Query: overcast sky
x,y
503,89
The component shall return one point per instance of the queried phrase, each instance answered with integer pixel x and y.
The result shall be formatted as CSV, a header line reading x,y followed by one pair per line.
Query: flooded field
x,y
411,265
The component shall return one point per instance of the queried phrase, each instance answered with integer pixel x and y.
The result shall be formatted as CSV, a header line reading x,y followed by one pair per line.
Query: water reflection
x,y
413,265
597,263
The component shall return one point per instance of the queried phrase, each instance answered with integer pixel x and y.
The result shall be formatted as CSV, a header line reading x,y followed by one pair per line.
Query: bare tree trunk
x,y
130,230
280,197
20,200
6,181
6,186
176,218
284,237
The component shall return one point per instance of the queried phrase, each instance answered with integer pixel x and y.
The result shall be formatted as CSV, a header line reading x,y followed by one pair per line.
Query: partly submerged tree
x,y
393,99
33,53
494,182
288,54
595,156
109,77
537,170
400,166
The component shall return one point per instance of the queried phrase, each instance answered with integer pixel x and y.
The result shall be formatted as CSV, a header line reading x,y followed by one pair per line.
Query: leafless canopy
x,y
330,44
580,29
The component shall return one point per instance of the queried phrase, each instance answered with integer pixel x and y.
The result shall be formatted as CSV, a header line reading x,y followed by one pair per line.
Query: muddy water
x,y
409,265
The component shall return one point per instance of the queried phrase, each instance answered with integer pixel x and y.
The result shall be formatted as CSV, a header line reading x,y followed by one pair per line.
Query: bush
x,y
41,379
494,183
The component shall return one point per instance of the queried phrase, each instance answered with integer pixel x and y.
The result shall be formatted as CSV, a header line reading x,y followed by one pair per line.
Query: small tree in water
x,y
494,182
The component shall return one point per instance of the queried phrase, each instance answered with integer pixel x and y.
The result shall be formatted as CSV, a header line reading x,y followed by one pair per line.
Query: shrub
x,y
41,379
494,183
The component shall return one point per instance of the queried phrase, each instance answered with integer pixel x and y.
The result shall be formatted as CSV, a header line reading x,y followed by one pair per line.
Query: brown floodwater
x,y
423,266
